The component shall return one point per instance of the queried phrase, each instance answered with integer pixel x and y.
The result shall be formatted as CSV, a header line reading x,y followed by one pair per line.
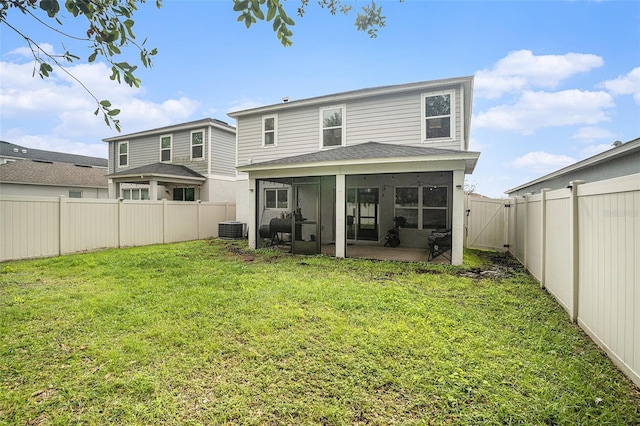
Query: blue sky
x,y
555,81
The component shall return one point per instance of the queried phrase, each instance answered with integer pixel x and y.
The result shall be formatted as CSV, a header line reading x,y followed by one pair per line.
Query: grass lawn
x,y
206,332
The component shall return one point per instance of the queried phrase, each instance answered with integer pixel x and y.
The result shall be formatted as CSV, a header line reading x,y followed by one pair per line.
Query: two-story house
x,y
184,162
337,169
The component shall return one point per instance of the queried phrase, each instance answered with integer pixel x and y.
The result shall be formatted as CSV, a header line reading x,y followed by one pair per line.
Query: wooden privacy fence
x,y
583,244
42,226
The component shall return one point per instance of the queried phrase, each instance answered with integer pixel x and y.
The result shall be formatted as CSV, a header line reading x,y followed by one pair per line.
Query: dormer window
x,y
165,148
332,126
437,113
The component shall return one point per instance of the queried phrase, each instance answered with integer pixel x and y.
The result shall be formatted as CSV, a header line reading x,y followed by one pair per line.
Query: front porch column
x,y
251,215
341,216
457,219
113,189
153,190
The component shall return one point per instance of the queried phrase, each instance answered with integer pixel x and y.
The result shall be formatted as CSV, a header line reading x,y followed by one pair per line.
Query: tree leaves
x,y
52,7
45,69
110,29
370,19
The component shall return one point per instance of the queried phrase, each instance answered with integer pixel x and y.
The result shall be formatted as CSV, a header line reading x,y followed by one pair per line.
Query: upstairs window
x,y
165,148
269,129
197,145
123,154
332,125
437,115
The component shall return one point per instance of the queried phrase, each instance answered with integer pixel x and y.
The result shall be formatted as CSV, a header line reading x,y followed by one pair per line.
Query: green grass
x,y
207,332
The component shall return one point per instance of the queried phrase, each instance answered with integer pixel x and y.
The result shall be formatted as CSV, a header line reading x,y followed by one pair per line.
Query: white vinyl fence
x,y
33,227
583,244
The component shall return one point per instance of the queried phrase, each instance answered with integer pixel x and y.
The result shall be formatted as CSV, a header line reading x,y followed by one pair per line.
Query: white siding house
x,y
339,168
184,162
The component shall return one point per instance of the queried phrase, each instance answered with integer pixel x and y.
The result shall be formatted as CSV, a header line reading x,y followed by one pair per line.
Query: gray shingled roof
x,y
160,169
364,151
8,149
36,172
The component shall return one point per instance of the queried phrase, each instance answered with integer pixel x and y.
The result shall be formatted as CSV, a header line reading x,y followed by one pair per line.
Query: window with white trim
x,y
166,141
135,194
438,117
276,198
197,145
123,154
184,194
424,207
270,130
75,194
332,126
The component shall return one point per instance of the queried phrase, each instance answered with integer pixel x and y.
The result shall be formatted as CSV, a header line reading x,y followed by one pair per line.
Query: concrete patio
x,y
404,254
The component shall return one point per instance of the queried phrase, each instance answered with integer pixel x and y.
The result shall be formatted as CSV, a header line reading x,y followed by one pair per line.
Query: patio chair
x,y
439,243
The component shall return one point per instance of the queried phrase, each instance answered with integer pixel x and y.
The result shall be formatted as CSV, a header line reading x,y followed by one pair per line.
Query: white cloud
x,y
70,109
540,162
628,84
592,133
522,70
27,53
536,110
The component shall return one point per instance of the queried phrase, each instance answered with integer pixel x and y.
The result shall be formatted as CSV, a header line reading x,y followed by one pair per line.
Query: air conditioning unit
x,y
231,230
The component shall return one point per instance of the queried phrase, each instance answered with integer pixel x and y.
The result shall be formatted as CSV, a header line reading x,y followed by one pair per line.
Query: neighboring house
x,y
622,159
187,162
35,172
10,152
340,167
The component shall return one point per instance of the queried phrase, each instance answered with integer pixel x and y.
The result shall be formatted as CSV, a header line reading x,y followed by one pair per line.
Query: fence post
x,y
164,221
543,240
575,244
120,213
514,249
526,226
198,216
63,226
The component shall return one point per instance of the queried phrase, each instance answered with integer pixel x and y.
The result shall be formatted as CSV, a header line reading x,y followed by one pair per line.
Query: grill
x,y
272,233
